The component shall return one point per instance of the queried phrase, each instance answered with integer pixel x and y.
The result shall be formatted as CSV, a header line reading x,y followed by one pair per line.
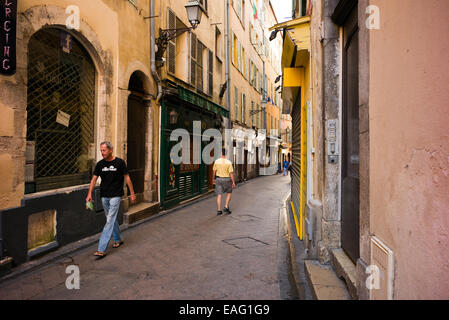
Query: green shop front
x,y
179,109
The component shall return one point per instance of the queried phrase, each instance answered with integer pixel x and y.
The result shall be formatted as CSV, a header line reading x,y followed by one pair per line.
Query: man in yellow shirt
x,y
223,178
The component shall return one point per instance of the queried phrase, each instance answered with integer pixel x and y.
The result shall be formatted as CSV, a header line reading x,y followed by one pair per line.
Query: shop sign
x,y
8,24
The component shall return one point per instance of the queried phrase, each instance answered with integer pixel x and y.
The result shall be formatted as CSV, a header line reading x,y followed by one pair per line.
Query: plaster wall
x,y
240,28
206,33
409,150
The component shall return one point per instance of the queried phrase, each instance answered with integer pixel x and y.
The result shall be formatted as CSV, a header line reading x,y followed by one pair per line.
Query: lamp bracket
x,y
166,35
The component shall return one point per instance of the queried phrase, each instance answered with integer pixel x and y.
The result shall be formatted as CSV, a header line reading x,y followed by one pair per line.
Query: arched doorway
x,y
60,111
137,119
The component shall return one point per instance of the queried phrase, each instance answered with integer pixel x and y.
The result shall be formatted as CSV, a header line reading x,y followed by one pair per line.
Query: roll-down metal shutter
x,y
296,157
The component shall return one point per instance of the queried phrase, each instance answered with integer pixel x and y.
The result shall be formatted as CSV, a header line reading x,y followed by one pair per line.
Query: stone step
x,y
141,211
324,283
345,269
5,265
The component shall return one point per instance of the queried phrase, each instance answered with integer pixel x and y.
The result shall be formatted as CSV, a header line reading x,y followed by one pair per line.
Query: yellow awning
x,y
299,31
296,38
293,77
290,23
288,52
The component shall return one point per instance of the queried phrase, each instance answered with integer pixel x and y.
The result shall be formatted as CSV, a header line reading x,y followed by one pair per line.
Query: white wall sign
x,y
63,118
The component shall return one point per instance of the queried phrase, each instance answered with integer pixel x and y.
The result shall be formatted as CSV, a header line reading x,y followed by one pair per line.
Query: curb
x,y
301,285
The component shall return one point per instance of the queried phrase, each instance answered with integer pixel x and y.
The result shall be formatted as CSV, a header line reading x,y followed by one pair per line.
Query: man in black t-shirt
x,y
112,171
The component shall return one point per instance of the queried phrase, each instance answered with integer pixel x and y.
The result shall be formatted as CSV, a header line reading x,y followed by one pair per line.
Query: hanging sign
x,y
8,24
63,118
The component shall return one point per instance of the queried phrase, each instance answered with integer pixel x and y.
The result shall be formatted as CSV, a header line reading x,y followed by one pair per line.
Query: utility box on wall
x,y
332,141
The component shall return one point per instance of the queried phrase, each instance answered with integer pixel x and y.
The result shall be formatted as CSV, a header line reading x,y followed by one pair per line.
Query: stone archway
x,y
137,124
61,87
136,94
48,16
29,23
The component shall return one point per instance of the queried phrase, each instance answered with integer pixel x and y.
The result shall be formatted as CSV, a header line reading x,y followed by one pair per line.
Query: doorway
x,y
137,118
350,202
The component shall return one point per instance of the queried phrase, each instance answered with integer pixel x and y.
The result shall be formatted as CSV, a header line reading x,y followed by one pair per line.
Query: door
x,y
245,166
350,142
136,142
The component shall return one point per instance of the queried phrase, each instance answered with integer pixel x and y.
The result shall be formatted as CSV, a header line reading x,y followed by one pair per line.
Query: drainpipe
x,y
152,52
228,61
159,86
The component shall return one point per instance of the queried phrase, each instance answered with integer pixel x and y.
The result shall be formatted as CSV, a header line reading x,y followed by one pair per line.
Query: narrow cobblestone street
x,y
190,253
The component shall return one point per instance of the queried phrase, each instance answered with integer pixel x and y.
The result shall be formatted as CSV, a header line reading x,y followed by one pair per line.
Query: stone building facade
x,y
79,81
376,160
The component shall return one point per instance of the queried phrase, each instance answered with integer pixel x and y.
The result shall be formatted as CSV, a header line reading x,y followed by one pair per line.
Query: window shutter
x,y
232,48
199,64
211,73
256,85
243,107
193,52
255,78
248,75
236,103
239,8
171,46
239,52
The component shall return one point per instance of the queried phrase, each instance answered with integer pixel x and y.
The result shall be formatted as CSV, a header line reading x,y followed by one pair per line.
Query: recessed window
x,y
60,112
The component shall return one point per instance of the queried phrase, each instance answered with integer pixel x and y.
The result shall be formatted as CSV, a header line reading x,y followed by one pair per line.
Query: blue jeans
x,y
111,228
285,171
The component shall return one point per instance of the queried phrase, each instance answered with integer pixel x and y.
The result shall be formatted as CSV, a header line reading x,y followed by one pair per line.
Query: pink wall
x,y
409,143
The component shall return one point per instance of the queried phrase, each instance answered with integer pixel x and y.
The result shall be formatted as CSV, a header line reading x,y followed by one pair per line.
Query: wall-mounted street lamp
x,y
262,108
194,13
173,117
253,112
273,34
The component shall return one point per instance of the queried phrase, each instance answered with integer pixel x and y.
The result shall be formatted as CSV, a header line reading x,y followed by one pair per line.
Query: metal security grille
x,y
60,111
296,158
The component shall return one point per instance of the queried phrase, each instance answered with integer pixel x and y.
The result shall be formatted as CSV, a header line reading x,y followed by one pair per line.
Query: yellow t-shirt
x,y
223,167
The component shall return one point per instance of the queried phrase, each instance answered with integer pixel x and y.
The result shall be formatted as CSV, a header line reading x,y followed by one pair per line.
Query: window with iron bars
x,y
60,112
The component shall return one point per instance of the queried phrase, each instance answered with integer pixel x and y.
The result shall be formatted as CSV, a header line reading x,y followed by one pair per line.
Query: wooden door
x,y
350,142
136,142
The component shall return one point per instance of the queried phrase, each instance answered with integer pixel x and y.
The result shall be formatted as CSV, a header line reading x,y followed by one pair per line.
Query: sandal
x,y
100,254
117,244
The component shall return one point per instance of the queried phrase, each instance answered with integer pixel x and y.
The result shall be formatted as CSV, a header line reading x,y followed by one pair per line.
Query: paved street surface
x,y
190,253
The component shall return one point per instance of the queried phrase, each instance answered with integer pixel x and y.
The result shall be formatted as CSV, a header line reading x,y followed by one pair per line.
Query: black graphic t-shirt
x,y
112,175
